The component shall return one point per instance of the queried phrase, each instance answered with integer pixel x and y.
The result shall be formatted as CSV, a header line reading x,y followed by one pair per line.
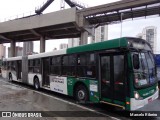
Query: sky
x,y
14,8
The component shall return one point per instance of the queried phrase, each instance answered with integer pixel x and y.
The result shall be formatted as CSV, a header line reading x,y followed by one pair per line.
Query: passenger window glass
x,y
65,60
86,65
105,65
105,76
82,59
91,66
65,67
82,65
119,76
91,59
72,60
72,65
37,62
55,68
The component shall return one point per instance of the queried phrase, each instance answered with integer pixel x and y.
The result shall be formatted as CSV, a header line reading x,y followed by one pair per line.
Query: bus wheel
x,y
10,77
81,94
36,84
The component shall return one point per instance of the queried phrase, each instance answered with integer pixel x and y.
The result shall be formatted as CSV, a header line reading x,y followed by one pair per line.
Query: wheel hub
x,y
81,94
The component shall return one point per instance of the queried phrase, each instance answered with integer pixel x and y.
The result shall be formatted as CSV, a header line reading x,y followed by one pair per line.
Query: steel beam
x,y
108,19
35,33
3,37
124,4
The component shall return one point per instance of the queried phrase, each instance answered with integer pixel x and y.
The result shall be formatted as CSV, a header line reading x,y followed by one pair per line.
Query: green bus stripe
x,y
115,43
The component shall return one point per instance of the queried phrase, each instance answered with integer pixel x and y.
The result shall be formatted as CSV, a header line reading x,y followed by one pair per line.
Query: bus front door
x,y
46,72
112,77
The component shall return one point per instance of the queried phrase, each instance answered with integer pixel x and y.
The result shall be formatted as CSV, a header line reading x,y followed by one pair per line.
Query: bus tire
x,y
10,77
81,94
36,83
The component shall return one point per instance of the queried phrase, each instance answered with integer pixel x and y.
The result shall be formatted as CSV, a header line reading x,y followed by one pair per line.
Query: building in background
x,y
18,51
63,46
28,48
2,51
150,35
101,33
73,42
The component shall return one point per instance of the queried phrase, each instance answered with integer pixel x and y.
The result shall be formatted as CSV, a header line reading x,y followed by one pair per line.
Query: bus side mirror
x,y
136,61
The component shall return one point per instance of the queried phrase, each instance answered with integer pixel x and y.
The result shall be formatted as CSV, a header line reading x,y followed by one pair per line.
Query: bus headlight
x,y
136,95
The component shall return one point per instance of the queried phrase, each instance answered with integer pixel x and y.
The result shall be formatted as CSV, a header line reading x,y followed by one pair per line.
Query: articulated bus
x,y
119,72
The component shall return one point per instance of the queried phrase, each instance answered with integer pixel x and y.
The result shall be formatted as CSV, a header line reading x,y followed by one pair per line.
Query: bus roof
x,y
47,54
13,58
109,44
129,42
90,47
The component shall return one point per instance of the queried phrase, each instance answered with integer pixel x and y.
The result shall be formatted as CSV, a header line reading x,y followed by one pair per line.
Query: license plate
x,y
150,100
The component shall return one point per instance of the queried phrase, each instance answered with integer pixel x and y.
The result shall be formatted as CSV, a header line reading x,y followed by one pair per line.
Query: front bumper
x,y
136,104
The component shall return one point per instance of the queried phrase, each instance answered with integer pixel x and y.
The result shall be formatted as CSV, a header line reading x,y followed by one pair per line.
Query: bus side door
x,y
112,76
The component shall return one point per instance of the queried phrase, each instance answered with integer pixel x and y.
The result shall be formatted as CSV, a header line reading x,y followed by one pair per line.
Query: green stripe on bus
x,y
109,44
147,91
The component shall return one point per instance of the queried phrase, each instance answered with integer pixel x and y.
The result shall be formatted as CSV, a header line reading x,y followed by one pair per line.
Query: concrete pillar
x,y
84,38
13,48
42,44
24,49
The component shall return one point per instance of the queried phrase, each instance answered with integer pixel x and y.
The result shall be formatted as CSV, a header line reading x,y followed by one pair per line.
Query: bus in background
x,y
119,72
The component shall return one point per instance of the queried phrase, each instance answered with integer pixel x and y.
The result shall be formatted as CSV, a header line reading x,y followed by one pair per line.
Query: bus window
x,y
91,66
36,65
37,62
119,77
31,63
30,66
146,74
52,66
105,77
82,65
56,65
65,65
72,65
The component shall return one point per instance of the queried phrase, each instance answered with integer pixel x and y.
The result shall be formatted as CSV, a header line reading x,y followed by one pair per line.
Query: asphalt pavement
x,y
16,98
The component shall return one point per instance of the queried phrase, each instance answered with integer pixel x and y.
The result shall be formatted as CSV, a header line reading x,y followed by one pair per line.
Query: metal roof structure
x,y
121,10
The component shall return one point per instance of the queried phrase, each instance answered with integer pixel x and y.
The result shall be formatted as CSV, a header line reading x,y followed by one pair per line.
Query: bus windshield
x,y
145,74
